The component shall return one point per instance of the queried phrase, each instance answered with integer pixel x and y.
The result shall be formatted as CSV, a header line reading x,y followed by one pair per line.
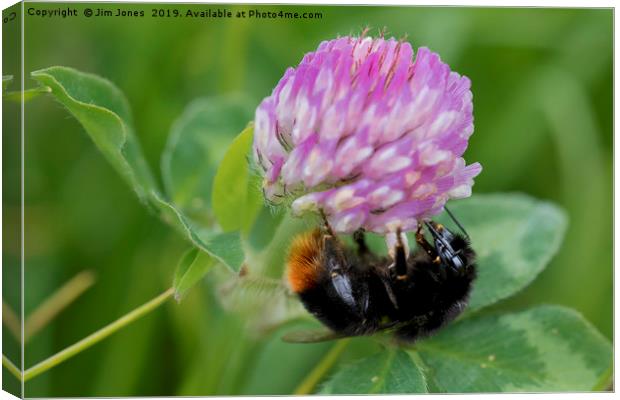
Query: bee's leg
x,y
336,265
358,237
326,225
426,246
335,259
399,254
343,278
387,284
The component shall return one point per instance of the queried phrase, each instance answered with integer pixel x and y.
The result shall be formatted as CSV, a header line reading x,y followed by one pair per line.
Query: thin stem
x,y
11,321
11,367
314,377
57,302
605,382
97,336
28,94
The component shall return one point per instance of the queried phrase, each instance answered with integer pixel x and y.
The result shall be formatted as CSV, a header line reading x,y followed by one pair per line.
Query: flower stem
x,y
321,368
97,336
57,302
11,367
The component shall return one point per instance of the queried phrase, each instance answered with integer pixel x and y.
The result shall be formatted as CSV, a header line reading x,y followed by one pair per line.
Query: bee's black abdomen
x,y
335,285
332,313
436,293
358,293
443,311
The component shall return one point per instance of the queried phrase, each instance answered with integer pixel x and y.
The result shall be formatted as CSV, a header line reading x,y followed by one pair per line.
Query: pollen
x,y
303,263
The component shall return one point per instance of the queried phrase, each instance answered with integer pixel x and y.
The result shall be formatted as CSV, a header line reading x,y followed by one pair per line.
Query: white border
x,y
508,3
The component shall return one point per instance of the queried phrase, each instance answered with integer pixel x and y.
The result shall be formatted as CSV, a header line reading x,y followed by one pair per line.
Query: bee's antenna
x,y
456,222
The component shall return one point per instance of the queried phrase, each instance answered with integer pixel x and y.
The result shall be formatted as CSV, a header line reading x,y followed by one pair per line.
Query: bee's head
x,y
447,244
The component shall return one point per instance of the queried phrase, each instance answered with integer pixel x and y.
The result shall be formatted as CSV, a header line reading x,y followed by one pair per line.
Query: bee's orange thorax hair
x,y
304,261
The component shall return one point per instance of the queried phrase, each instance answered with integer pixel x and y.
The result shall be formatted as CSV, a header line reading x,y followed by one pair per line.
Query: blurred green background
x,y
542,84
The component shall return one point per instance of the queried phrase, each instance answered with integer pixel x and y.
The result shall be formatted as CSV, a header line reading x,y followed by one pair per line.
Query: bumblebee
x,y
356,292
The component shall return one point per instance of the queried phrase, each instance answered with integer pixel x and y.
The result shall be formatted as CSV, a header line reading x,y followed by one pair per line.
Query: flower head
x,y
365,133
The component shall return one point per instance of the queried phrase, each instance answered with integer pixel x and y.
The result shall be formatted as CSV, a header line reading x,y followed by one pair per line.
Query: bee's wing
x,y
312,336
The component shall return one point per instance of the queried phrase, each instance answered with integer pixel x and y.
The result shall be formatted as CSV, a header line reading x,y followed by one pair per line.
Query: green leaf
x,y
236,199
514,236
272,260
546,348
280,367
224,247
193,266
6,81
265,225
391,371
104,113
196,146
